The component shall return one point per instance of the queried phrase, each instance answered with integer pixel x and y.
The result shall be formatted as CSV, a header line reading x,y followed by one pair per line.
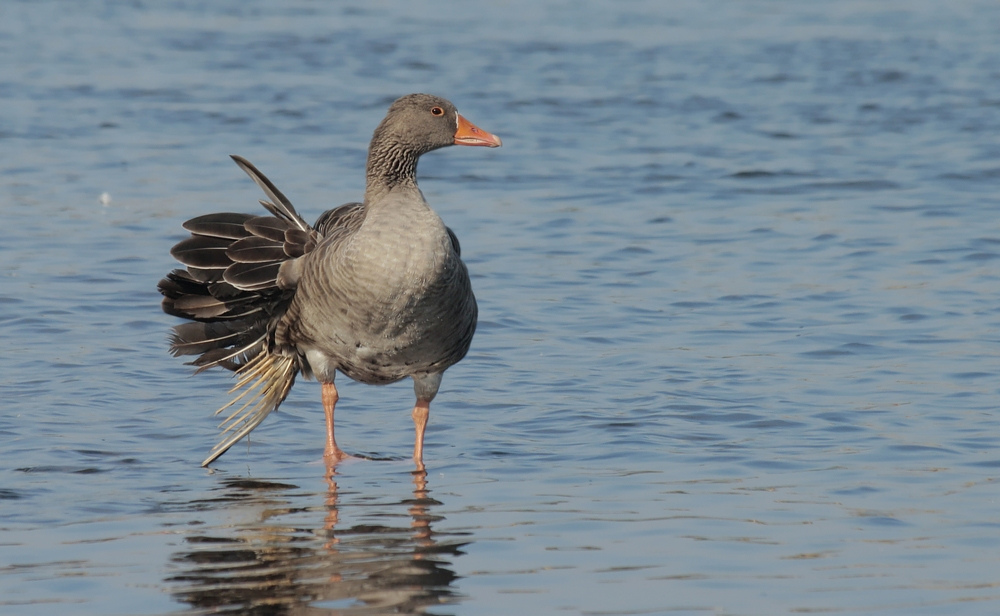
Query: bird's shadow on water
x,y
285,551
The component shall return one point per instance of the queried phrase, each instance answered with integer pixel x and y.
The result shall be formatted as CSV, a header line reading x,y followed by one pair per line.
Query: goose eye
x,y
437,111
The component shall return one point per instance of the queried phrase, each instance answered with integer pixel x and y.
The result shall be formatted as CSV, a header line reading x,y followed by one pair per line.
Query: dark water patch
x,y
862,347
910,448
753,174
96,453
772,325
663,177
939,212
727,116
770,424
744,298
985,463
837,416
711,241
881,520
988,174
164,95
929,339
899,208
857,491
981,256
823,187
967,376
600,340
774,465
89,470
238,483
843,429
208,539
628,252
721,417
828,353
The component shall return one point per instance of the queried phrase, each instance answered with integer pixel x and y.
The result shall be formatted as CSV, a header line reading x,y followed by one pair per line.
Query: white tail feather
x,y
265,381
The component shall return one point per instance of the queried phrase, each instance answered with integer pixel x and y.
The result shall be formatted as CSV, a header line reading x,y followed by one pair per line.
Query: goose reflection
x,y
273,564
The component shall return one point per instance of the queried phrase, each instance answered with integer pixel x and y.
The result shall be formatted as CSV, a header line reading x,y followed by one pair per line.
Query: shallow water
x,y
738,349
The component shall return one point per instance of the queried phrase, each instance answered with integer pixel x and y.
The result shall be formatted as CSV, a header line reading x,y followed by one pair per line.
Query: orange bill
x,y
470,134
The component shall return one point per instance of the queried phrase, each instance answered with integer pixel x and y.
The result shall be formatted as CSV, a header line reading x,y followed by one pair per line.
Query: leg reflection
x,y
368,550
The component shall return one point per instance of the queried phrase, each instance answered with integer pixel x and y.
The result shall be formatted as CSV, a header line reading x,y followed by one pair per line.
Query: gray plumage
x,y
376,290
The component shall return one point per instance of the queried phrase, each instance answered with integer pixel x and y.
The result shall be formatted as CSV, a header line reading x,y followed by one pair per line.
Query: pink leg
x,y
421,412
330,397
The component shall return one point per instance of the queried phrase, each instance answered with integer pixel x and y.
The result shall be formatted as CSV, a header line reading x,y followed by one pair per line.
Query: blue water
x,y
739,335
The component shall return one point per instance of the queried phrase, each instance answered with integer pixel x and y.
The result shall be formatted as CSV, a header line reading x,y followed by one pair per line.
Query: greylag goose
x,y
375,290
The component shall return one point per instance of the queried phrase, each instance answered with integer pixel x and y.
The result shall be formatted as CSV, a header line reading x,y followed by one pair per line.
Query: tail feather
x,y
197,337
211,302
201,306
219,343
230,359
265,381
229,291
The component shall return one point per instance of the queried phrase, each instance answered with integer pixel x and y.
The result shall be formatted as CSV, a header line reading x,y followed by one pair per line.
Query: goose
x,y
375,290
